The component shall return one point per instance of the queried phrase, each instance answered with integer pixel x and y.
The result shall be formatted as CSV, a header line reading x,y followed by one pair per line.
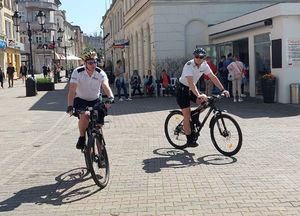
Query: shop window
x,y
262,44
276,53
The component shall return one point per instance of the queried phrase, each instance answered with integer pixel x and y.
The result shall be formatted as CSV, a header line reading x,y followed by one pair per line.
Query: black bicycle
x,y
95,153
225,132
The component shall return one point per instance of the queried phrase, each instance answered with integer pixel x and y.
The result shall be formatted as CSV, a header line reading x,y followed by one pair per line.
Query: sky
x,y
85,13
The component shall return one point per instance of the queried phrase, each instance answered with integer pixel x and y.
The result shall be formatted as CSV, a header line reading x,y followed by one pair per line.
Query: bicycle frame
x,y
93,129
212,108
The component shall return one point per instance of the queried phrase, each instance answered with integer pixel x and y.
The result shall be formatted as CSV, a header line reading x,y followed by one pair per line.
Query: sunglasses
x,y
199,57
91,62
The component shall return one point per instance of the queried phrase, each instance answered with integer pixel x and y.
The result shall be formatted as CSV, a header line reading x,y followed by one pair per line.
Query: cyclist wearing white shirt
x,y
85,87
187,90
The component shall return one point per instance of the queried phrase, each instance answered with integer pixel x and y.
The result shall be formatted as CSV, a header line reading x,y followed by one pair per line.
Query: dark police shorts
x,y
81,104
184,96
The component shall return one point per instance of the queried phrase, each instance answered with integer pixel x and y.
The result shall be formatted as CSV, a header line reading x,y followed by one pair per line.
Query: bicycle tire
x,y
174,130
86,159
229,132
99,170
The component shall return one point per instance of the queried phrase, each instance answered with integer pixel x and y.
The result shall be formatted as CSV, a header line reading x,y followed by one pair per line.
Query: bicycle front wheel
x,y
174,130
97,159
226,134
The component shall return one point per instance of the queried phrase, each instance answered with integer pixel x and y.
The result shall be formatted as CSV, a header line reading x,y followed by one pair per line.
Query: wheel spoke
x,y
99,166
174,130
226,135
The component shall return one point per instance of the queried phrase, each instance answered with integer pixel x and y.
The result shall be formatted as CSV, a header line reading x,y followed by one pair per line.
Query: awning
x,y
72,57
59,56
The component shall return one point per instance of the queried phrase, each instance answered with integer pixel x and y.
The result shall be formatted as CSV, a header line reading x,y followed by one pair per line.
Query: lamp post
x,y
65,47
66,58
55,74
17,20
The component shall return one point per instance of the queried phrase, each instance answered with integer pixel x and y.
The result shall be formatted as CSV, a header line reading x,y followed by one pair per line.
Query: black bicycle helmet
x,y
199,52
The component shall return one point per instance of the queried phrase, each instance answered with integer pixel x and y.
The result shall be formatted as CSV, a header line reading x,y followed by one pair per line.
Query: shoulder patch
x,y
80,69
189,63
98,69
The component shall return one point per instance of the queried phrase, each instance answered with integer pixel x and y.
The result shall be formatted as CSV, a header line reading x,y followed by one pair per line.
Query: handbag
x,y
230,77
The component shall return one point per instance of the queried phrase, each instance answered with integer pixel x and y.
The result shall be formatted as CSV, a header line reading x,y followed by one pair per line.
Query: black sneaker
x,y
191,142
80,143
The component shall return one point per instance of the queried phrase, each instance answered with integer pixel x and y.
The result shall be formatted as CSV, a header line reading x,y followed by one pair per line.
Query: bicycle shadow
x,y
68,188
175,158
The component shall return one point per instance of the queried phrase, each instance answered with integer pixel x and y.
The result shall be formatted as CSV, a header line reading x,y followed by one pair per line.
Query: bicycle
x,y
223,128
95,153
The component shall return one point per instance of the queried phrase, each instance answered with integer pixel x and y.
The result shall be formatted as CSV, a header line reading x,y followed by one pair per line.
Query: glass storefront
x,y
262,46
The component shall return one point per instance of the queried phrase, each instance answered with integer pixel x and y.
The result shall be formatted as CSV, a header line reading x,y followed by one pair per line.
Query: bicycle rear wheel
x,y
226,134
174,130
97,159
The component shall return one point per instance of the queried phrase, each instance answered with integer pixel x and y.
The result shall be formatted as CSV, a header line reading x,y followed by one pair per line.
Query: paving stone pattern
x,y
43,174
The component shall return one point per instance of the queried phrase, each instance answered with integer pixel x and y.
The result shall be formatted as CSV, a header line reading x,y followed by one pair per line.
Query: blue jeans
x,y
121,85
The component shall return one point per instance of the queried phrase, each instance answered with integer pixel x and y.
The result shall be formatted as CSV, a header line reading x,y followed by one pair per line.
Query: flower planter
x,y
45,86
268,90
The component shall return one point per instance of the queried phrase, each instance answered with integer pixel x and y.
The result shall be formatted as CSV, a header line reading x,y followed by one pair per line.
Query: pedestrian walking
x,y
236,69
23,72
10,70
2,77
45,71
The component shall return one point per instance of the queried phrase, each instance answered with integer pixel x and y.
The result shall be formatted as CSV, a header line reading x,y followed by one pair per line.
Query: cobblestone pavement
x,y
43,174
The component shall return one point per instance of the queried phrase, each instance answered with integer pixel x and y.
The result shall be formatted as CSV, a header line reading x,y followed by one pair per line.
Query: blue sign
x,y
2,44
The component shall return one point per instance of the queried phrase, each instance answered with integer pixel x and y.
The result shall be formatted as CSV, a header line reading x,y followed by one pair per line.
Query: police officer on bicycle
x,y
187,90
84,90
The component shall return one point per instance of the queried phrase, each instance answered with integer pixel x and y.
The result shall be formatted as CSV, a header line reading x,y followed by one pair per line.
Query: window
x,y
8,29
262,44
38,39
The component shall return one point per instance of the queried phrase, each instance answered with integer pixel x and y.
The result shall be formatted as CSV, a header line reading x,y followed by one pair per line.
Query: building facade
x,y
10,46
42,39
268,40
50,44
163,34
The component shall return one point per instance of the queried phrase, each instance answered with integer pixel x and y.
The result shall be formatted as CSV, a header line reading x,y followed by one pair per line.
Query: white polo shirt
x,y
191,69
88,87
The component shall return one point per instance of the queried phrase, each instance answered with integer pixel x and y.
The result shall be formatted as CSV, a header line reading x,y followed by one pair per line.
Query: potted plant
x,y
268,82
44,84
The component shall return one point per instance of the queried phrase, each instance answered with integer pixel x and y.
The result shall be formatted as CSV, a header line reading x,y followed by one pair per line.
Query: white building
x,y
274,34
163,34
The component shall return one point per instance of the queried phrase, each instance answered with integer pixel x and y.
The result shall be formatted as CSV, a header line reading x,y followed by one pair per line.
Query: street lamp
x,y
17,20
66,59
41,17
60,34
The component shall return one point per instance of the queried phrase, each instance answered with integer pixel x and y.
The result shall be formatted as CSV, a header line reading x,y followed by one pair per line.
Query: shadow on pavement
x,y
255,108
175,158
52,101
250,108
67,189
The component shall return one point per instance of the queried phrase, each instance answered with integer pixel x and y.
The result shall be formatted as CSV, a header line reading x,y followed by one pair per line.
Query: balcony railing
x,y
48,5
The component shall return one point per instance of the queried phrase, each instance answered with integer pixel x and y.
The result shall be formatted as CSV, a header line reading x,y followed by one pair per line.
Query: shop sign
x,y
23,57
120,43
20,46
293,52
